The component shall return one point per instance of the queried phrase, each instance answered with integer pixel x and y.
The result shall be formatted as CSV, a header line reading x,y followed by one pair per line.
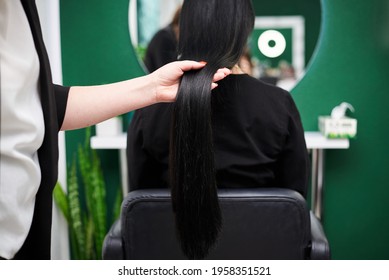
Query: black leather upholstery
x,y
257,224
320,249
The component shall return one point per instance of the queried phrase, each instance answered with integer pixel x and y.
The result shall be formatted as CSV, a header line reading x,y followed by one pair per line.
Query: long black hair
x,y
214,31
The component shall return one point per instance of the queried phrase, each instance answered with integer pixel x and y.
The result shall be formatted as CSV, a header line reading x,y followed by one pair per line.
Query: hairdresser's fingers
x,y
214,85
167,78
171,73
187,65
221,74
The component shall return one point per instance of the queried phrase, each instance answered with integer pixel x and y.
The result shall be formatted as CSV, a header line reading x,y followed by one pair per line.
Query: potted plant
x,y
84,205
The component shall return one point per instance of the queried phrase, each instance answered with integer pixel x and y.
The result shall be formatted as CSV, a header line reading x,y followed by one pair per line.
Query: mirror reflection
x,y
278,51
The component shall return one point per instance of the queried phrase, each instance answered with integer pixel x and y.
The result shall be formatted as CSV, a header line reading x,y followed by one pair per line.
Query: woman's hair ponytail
x,y
194,191
215,31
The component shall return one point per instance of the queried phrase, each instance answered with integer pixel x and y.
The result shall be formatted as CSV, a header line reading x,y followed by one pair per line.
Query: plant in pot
x,y
84,205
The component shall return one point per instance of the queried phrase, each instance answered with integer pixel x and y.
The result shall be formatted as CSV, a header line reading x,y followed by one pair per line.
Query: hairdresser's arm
x,y
92,104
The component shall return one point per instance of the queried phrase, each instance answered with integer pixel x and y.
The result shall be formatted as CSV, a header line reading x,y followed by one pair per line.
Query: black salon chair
x,y
257,224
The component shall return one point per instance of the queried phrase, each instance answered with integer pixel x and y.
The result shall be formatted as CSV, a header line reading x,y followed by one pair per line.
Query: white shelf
x,y
315,140
118,142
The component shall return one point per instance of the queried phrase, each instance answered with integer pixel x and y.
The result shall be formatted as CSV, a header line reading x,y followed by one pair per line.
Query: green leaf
x,y
99,203
75,211
61,201
87,226
117,206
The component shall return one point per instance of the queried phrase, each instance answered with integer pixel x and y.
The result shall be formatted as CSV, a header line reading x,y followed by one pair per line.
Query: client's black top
x,y
258,139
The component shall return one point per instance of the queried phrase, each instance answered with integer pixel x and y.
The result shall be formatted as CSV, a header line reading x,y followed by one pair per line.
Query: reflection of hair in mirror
x,y
162,48
214,31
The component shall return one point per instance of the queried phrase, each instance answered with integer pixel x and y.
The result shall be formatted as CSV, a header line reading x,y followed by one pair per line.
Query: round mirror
x,y
280,47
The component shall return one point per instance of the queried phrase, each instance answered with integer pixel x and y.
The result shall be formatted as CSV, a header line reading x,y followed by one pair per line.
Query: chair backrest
x,y
257,224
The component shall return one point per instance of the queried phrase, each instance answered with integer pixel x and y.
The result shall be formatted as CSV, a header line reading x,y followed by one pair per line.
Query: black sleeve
x,y
61,99
293,164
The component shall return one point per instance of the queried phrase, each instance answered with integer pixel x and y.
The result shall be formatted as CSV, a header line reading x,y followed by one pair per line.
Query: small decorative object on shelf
x,y
338,125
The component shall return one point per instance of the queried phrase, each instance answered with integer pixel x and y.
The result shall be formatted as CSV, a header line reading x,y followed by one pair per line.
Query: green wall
x,y
350,64
96,49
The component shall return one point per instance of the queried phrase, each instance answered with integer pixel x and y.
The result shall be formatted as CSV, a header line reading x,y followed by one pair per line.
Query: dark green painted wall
x,y
96,49
351,64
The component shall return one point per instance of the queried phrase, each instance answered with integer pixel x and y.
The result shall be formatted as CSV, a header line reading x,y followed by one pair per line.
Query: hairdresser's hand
x,y
167,78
